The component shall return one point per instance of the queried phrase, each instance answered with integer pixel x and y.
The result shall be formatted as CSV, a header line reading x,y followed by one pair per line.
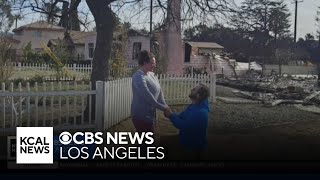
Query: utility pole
x,y
151,6
295,21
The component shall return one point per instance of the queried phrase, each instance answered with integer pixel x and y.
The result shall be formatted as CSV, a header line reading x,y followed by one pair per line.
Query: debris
x,y
283,101
254,95
274,89
230,100
312,96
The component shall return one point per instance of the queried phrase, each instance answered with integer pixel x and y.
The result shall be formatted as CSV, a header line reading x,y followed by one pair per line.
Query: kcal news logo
x,y
34,145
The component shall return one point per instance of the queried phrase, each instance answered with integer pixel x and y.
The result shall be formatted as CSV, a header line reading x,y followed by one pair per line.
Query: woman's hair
x,y
145,57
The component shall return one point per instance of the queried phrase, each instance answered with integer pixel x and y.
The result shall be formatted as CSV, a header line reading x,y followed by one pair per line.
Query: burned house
x,y
200,57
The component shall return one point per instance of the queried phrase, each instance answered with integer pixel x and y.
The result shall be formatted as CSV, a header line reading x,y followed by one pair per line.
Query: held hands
x,y
167,112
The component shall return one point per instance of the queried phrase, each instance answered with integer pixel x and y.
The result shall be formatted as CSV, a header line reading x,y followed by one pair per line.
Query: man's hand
x,y
167,112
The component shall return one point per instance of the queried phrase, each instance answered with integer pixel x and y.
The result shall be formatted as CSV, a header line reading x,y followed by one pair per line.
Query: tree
x,y
279,22
104,17
6,17
231,39
6,21
5,58
69,15
263,21
318,25
29,56
52,10
307,49
65,10
119,45
309,37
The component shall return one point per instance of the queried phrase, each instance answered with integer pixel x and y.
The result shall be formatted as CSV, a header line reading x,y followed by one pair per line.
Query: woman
x,y
147,95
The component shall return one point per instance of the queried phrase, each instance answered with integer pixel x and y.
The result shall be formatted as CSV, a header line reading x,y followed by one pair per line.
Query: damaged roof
x,y
205,45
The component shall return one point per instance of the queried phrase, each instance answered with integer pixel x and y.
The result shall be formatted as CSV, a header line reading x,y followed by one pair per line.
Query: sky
x,y
306,17
307,11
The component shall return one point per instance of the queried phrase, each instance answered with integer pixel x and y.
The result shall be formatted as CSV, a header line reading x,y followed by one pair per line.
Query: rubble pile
x,y
273,89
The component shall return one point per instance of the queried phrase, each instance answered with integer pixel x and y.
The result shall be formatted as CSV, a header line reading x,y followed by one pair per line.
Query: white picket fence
x,y
49,104
65,104
176,88
83,68
78,71
117,101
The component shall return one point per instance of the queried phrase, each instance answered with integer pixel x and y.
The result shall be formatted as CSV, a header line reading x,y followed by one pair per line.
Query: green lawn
x,y
33,73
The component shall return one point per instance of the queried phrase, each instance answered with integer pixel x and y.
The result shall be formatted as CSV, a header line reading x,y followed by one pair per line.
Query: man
x,y
193,122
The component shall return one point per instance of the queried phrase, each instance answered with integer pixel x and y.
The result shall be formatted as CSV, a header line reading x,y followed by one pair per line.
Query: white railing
x,y
62,105
78,71
59,105
83,68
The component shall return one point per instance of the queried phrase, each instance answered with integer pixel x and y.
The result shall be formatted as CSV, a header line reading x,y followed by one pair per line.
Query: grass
x,y
64,86
33,73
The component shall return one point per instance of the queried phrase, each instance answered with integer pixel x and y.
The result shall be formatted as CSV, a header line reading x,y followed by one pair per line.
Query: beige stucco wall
x,y
28,36
145,45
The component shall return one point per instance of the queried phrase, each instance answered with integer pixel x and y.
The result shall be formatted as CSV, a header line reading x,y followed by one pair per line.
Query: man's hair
x,y
203,92
144,57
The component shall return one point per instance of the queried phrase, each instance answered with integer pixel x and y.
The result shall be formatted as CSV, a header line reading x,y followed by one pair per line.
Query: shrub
x,y
37,78
6,71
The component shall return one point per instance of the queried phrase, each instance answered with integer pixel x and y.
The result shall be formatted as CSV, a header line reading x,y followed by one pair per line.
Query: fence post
x,y
19,66
213,87
99,106
74,67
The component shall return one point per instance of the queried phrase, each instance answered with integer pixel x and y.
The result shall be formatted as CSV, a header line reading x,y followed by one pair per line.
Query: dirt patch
x,y
247,132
